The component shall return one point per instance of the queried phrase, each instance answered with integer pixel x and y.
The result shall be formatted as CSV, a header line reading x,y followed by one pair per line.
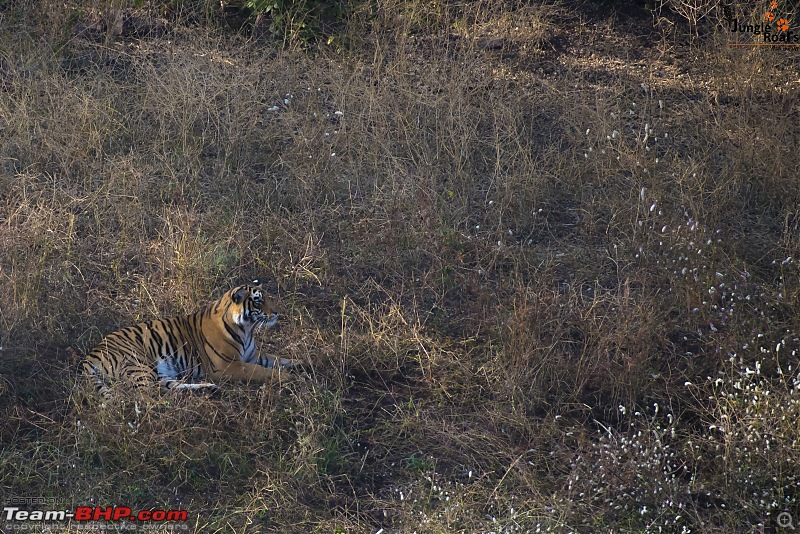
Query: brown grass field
x,y
541,259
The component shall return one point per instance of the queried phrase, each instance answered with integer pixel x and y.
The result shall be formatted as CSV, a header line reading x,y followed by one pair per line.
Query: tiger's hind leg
x,y
101,382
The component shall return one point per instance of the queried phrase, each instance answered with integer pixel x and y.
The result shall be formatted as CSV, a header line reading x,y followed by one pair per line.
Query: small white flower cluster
x,y
639,472
753,428
626,141
691,258
447,501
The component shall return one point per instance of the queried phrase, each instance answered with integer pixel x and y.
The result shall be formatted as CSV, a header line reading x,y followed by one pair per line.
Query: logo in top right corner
x,y
773,30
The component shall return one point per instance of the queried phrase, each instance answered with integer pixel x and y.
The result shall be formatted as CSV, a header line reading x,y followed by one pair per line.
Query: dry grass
x,y
545,273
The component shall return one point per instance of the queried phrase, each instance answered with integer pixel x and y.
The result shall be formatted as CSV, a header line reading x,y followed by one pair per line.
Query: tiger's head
x,y
251,307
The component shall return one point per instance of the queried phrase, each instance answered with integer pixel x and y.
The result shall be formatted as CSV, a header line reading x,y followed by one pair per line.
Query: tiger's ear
x,y
239,295
256,282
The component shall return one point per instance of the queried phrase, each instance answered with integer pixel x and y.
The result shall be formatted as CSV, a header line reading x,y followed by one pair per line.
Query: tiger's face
x,y
252,307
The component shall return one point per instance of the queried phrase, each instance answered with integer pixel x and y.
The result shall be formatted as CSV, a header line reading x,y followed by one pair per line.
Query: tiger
x,y
214,343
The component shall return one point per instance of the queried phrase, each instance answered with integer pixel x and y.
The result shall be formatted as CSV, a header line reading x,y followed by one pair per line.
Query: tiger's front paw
x,y
278,363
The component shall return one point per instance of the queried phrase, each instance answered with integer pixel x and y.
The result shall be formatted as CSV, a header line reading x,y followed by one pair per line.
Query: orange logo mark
x,y
781,24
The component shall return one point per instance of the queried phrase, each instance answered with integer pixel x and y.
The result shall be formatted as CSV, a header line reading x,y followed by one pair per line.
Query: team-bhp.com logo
x,y
94,513
773,30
